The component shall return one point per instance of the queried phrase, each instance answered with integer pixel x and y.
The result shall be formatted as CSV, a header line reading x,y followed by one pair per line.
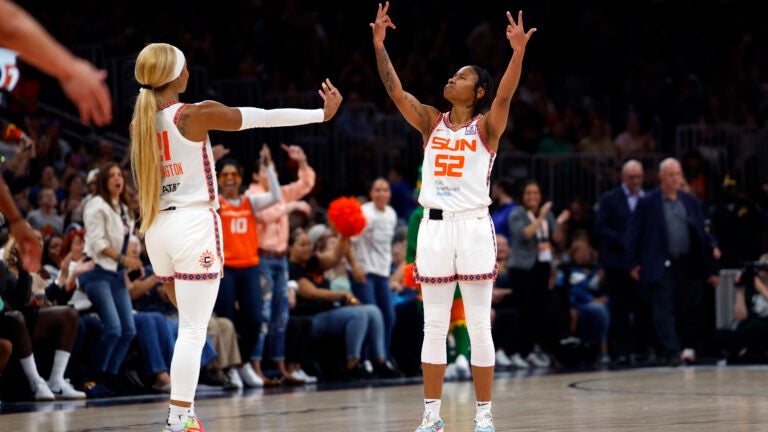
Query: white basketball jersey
x,y
456,172
188,169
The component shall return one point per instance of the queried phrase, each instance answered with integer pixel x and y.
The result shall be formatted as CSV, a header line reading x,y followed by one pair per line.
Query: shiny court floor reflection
x,y
655,399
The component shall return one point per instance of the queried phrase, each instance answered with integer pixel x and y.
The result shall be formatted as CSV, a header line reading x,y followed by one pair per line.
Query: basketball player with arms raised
x,y
456,240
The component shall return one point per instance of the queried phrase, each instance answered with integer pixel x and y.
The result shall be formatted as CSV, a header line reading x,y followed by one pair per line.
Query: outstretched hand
x,y
516,33
379,27
85,86
332,98
295,153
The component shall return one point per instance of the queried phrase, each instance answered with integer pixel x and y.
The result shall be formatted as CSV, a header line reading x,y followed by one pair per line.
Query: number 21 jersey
x,y
456,172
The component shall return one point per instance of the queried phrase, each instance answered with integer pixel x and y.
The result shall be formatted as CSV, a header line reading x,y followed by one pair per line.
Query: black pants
x,y
631,330
530,289
676,304
297,336
505,329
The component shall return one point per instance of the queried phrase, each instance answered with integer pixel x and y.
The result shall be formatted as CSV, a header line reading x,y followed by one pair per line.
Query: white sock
x,y
177,415
432,408
483,410
191,410
60,361
30,370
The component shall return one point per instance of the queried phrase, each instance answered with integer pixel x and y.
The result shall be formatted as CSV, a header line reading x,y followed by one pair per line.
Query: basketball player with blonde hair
x,y
173,166
456,240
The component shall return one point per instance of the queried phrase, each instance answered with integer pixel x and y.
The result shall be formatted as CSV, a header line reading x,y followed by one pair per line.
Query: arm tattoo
x,y
385,69
182,125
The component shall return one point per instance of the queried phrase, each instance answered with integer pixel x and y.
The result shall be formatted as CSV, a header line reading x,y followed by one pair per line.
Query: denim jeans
x,y
275,307
594,320
209,353
359,325
244,287
376,291
111,301
154,341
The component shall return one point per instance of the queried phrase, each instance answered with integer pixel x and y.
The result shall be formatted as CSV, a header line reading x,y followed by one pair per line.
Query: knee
x,y
16,319
6,348
71,316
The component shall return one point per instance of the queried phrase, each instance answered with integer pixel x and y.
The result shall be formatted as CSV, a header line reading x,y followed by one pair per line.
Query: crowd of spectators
x,y
605,83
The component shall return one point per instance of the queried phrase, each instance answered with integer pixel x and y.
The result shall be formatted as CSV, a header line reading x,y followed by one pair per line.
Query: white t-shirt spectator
x,y
373,247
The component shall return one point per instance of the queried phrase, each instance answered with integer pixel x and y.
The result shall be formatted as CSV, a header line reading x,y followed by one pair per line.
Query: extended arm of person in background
x,y
293,191
141,285
331,256
418,115
263,200
309,291
531,228
81,82
26,240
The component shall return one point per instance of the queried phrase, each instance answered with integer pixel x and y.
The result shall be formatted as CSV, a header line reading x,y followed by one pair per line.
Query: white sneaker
x,y
502,359
518,362
234,378
368,366
462,367
249,376
303,376
42,392
538,360
63,390
450,372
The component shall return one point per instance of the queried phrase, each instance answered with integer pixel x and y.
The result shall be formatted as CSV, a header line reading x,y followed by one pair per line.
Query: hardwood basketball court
x,y
696,399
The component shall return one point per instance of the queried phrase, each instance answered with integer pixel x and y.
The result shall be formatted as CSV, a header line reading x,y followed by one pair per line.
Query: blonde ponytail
x,y
154,67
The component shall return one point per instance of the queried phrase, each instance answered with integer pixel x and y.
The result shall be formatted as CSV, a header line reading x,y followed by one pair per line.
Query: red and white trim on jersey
x,y
217,233
457,166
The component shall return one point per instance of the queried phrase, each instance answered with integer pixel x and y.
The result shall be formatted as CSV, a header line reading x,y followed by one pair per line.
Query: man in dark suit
x,y
670,252
615,207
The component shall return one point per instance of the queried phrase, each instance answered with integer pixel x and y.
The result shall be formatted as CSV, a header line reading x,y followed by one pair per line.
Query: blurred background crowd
x,y
604,82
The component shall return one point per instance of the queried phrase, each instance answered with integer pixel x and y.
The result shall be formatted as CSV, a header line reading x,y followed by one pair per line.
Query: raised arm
x,y
496,120
196,120
416,114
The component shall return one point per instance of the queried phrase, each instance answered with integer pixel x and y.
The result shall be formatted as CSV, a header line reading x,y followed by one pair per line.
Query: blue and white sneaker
x,y
485,424
430,425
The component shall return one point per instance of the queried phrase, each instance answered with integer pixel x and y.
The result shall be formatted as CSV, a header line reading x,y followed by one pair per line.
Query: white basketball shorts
x,y
455,246
186,244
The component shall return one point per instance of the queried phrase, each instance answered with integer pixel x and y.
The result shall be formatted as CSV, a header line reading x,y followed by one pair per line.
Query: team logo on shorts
x,y
206,259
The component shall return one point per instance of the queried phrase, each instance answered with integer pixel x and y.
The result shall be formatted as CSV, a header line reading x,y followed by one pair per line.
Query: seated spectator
x,y
634,139
336,314
51,258
557,142
581,275
45,217
28,323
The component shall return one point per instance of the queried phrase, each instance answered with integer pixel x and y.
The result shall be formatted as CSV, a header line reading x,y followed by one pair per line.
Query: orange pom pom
x,y
408,279
347,216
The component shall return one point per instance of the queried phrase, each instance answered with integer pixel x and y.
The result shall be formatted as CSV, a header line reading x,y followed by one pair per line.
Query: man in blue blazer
x,y
627,336
670,252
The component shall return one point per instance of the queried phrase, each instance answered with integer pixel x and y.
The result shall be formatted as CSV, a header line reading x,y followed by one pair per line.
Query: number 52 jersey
x,y
456,172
